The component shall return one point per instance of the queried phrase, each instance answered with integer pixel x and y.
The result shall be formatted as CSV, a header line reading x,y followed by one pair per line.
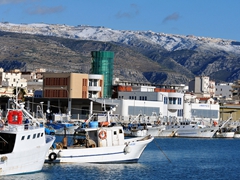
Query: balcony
x,y
94,88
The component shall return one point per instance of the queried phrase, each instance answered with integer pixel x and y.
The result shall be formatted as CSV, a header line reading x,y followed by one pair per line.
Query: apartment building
x,y
72,85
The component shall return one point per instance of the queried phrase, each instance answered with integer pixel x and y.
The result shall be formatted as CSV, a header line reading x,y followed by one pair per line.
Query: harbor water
x,y
164,158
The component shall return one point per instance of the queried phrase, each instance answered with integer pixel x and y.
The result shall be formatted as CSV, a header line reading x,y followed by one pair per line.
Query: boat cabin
x,y
99,137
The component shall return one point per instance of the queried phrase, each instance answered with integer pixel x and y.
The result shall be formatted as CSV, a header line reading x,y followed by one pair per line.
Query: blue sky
x,y
207,18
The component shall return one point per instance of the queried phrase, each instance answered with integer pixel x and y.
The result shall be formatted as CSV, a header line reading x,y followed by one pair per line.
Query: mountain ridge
x,y
185,56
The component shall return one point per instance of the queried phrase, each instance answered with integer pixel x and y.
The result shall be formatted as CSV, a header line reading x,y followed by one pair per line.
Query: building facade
x,y
72,85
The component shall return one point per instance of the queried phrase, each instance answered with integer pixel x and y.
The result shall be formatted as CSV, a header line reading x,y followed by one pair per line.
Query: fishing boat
x,y
98,143
225,130
194,129
143,129
23,143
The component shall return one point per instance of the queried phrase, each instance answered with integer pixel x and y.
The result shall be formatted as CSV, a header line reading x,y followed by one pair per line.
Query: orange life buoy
x,y
102,135
15,117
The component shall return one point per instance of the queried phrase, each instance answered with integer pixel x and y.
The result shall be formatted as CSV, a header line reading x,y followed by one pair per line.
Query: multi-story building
x,y
201,86
11,80
200,108
236,90
72,86
224,91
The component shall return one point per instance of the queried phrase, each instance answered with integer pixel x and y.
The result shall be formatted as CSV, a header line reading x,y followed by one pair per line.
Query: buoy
x,y
127,149
52,156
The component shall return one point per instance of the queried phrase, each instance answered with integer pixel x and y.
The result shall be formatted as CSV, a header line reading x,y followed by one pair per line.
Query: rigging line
x,y
3,139
161,150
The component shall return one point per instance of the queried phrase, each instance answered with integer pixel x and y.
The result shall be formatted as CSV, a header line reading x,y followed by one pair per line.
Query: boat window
x,y
120,131
34,136
115,132
7,142
28,137
23,137
41,134
38,135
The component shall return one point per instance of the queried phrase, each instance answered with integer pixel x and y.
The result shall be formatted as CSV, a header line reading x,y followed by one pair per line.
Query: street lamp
x,y
69,102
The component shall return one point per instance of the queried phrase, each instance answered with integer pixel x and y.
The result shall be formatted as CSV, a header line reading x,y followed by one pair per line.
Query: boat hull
x,y
27,160
120,153
197,132
225,135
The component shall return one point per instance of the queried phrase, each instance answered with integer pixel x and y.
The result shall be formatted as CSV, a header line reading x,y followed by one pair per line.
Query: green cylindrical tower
x,y
102,63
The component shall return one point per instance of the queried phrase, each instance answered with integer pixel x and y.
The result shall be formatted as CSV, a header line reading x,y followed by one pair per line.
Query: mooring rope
x,y
162,151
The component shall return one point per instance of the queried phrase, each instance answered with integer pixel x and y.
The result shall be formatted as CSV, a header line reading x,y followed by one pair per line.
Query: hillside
x,y
139,56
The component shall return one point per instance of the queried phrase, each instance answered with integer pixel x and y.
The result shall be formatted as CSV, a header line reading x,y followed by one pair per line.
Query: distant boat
x,y
98,144
225,131
23,143
193,129
144,129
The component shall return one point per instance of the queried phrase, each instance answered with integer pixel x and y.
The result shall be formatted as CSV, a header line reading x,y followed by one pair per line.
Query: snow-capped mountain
x,y
169,42
200,55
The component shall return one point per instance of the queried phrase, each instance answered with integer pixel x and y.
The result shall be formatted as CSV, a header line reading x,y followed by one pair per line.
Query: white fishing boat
x,y
23,143
226,134
99,143
145,129
194,129
237,132
225,130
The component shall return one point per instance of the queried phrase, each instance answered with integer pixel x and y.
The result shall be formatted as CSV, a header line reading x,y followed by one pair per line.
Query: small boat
x,y
23,143
98,144
144,129
225,130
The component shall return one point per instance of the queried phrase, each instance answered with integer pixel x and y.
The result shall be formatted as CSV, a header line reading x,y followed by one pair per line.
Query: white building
x,y
12,79
200,108
167,105
9,81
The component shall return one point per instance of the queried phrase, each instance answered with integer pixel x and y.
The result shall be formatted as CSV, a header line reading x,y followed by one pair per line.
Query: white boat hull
x,y
236,135
27,160
196,132
225,135
102,154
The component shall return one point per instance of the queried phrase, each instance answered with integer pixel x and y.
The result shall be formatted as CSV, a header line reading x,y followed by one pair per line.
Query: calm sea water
x,y
208,159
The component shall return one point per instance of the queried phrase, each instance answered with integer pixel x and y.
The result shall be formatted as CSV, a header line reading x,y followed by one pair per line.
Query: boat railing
x,y
20,127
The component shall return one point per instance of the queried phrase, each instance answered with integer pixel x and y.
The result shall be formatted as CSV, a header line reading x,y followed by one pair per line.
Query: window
x,y
28,137
179,100
23,137
165,100
34,136
38,135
